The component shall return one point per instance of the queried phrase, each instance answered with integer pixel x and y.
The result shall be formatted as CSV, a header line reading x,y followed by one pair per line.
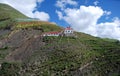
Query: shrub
x,y
9,69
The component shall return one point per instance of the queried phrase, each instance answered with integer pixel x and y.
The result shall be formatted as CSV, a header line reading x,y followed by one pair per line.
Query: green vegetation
x,y
65,56
7,12
8,16
7,24
62,56
42,25
3,53
10,69
4,48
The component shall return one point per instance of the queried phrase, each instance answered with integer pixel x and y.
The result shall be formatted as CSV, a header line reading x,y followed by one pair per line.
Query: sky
x,y
99,18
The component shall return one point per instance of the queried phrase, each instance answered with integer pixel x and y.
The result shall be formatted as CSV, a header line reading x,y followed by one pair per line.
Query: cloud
x,y
62,3
84,19
40,1
95,3
42,16
107,12
26,6
60,15
80,19
109,29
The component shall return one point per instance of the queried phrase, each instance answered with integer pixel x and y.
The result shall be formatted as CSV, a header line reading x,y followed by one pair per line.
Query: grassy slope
x,y
8,15
64,56
46,26
7,11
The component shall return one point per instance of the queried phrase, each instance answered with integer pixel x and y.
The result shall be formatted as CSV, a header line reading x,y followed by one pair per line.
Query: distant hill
x,y
7,11
24,52
8,15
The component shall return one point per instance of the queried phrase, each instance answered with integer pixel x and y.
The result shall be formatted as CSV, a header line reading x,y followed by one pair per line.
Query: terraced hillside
x,y
32,54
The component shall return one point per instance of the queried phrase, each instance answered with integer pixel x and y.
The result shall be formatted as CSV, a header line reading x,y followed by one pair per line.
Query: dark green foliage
x,y
3,52
4,48
48,39
9,69
7,24
109,62
117,42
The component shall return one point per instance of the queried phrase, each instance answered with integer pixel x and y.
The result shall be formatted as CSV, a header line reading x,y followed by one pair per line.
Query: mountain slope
x,y
7,11
60,56
24,52
8,16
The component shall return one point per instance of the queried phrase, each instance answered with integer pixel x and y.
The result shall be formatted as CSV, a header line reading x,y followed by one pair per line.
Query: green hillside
x,y
8,15
85,55
24,52
7,11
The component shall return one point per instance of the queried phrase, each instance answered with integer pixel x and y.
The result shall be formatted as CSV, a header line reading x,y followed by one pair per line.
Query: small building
x,y
66,32
51,34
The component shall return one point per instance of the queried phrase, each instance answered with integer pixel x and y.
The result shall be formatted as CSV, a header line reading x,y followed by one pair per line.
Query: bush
x,y
4,48
9,69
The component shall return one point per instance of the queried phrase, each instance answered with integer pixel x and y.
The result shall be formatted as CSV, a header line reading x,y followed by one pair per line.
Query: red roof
x,y
57,32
